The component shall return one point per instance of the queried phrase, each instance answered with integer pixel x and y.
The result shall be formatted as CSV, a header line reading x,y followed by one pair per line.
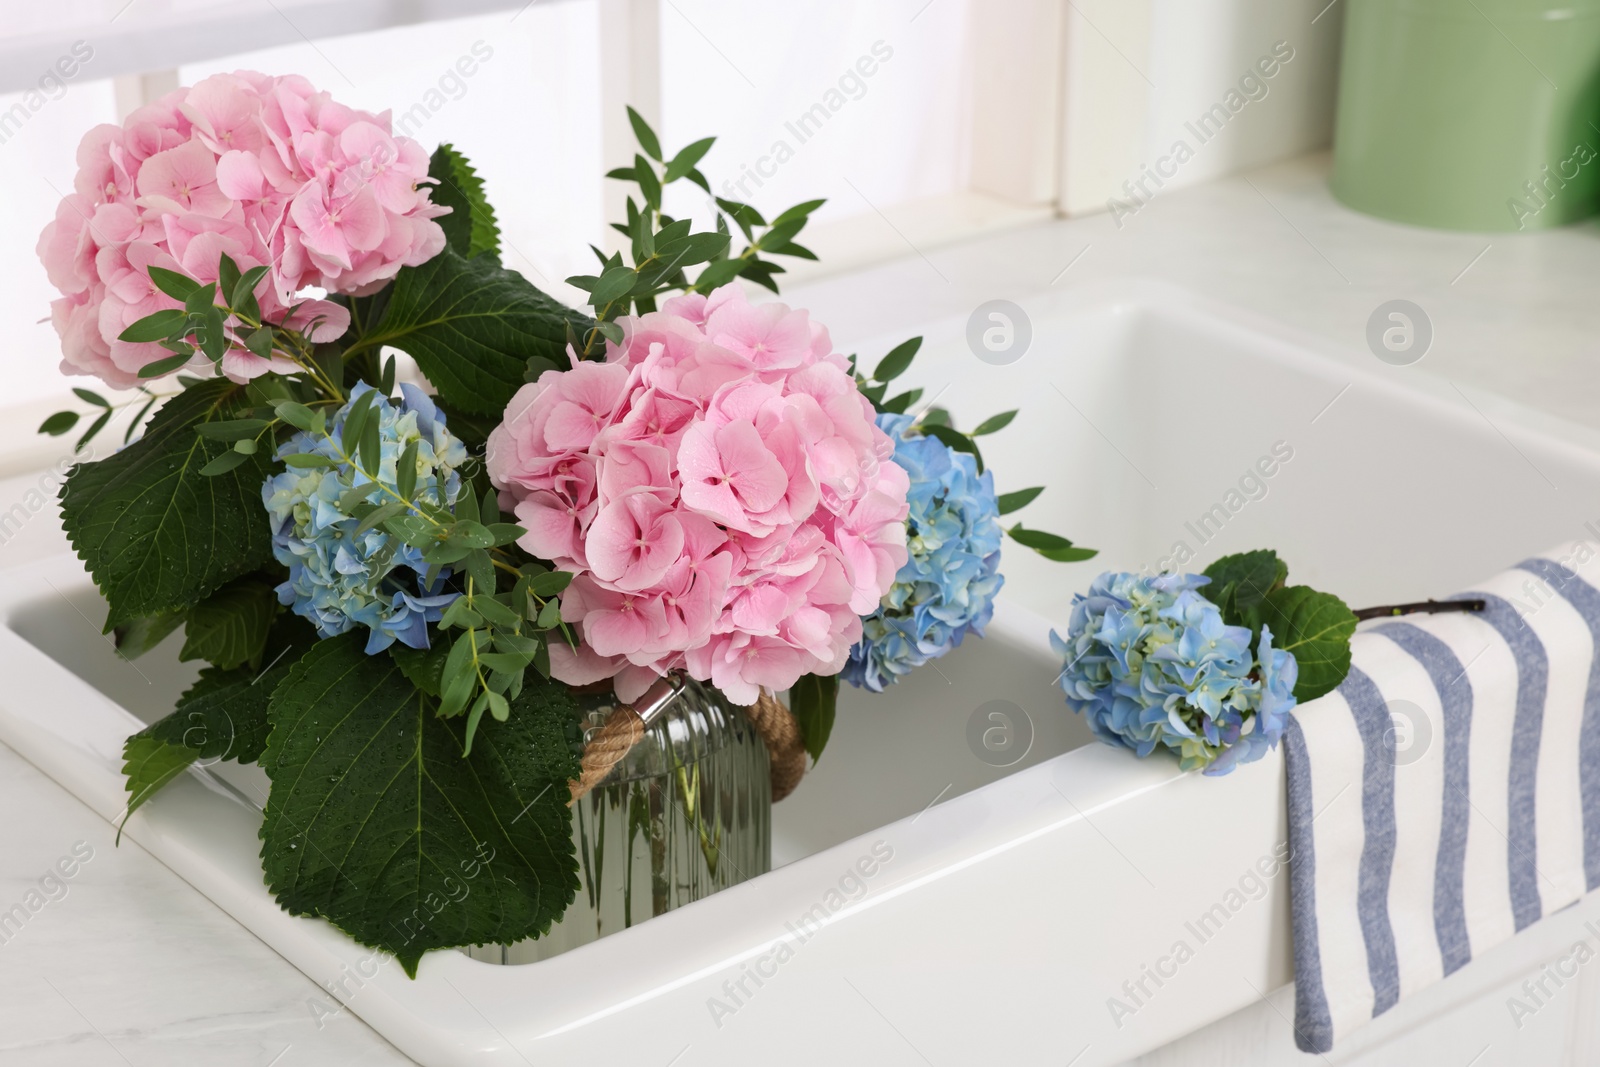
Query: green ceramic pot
x,y
1470,114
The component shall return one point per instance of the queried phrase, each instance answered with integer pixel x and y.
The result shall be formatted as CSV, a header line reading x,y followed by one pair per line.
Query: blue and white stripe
x,y
1418,845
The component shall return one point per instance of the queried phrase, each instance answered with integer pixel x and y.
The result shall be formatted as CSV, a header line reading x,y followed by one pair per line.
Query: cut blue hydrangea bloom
x,y
946,588
339,578
1150,662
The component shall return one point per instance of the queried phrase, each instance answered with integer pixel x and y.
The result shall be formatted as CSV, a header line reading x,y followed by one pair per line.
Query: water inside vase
x,y
687,812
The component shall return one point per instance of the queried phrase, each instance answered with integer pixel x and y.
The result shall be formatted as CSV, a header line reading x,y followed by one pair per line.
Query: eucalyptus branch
x,y
662,248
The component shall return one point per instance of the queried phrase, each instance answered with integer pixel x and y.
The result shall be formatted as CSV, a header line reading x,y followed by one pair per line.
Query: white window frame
x,y
1019,107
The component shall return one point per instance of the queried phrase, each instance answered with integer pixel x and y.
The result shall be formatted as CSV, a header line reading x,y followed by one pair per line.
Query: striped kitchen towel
x,y
1447,794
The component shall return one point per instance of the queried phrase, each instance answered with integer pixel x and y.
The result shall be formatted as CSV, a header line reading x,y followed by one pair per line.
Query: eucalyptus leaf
x,y
900,403
159,367
227,276
297,415
496,612
549,583
228,461
480,570
59,423
687,158
178,286
94,428
1010,502
355,420
955,440
1050,546
138,418
649,184
372,447
201,300
470,534
695,248
799,211
381,514
994,423
243,292
613,285
647,136
406,471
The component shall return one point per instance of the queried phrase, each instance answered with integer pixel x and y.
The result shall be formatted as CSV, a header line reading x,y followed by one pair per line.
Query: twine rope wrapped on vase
x,y
625,726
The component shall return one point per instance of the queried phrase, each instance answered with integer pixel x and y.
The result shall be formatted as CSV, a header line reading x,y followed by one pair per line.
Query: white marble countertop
x,y
131,966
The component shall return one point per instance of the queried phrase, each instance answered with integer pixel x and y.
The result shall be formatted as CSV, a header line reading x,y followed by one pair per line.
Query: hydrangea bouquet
x,y
699,487
396,586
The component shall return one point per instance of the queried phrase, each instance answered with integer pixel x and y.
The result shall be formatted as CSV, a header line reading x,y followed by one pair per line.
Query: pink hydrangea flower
x,y
719,489
267,170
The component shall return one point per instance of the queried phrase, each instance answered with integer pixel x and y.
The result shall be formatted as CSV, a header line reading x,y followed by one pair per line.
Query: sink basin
x,y
963,876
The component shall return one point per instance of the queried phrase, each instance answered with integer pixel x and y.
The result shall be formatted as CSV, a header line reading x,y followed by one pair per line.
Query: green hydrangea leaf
x,y
471,325
135,638
1242,581
470,228
155,534
423,666
223,715
229,627
377,823
813,701
150,763
1316,627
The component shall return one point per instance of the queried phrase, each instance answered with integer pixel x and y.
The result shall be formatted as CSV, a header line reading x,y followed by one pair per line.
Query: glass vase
x,y
687,811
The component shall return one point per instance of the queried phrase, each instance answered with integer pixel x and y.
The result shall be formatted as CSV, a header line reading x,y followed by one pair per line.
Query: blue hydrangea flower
x,y
1150,662
339,578
947,587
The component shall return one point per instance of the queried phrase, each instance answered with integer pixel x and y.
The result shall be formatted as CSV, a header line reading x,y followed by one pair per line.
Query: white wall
x,y
1141,72
748,73
1199,51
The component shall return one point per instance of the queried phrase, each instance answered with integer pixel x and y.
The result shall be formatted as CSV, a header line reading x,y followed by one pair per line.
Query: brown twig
x,y
1431,607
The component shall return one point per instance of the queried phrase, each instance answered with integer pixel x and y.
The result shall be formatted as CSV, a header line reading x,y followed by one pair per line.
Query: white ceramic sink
x,y
960,911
